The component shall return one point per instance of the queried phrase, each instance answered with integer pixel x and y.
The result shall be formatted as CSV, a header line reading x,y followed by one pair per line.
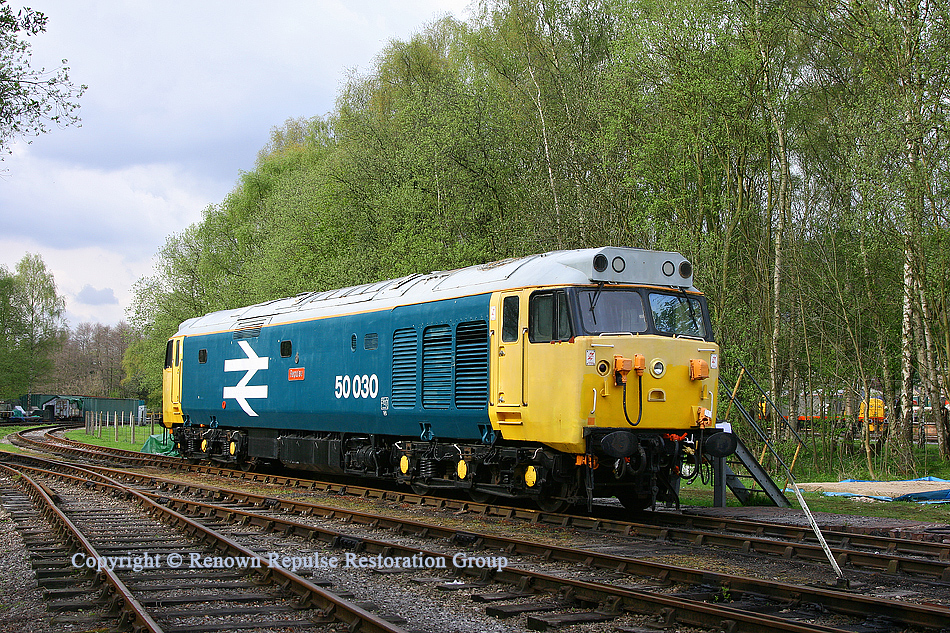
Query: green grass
x,y
108,439
853,464
8,430
823,460
696,494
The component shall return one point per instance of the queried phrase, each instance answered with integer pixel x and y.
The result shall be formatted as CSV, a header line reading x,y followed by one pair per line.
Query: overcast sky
x,y
182,95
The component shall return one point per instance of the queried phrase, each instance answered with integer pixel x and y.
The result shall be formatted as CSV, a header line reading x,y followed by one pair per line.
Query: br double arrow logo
x,y
242,391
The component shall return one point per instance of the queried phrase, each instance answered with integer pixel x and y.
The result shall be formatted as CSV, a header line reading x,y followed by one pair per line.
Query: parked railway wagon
x,y
557,377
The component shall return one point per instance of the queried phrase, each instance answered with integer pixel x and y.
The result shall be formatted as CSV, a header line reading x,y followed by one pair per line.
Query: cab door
x,y
510,331
171,383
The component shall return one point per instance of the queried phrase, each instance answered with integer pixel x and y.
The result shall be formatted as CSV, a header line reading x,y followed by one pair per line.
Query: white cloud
x,y
131,208
75,269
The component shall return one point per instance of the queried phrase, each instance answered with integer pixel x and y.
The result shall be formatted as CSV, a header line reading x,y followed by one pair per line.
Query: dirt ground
x,y
891,489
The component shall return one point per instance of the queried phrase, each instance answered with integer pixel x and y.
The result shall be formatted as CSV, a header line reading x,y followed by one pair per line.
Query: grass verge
x,y
112,439
5,445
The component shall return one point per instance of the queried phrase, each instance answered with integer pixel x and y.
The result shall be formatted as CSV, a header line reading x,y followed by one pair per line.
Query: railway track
x,y
851,549
107,557
50,442
622,580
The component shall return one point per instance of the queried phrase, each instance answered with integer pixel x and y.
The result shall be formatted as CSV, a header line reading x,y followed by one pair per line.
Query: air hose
x,y
640,413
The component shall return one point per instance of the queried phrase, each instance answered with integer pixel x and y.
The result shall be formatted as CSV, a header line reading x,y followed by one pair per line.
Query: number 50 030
x,y
356,386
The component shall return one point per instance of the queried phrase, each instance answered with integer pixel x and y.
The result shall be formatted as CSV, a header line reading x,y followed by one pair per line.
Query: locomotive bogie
x,y
553,378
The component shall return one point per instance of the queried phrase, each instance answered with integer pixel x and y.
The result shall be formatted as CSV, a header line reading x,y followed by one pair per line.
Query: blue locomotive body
x,y
336,374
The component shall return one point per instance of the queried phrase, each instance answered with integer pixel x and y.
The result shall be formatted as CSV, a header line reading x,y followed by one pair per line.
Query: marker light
x,y
698,369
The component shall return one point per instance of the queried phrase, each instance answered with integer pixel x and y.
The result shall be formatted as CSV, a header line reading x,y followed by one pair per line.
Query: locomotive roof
x,y
570,267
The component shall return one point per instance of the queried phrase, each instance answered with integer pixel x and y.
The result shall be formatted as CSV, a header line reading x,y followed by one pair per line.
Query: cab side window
x,y
509,319
549,317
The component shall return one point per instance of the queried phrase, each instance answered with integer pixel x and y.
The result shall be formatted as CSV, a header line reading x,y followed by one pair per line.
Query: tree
x,y
43,327
788,149
30,98
11,327
90,362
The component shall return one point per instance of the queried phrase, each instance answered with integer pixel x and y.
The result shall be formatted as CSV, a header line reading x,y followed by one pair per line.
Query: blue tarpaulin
x,y
934,496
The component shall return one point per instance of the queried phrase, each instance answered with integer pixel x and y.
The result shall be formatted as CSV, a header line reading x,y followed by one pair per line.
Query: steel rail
x,y
888,561
841,602
889,554
118,452
670,608
843,539
838,601
134,615
307,594
63,446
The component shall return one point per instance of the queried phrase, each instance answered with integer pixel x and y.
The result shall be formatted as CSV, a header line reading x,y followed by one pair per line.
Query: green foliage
x,y
673,125
11,332
31,322
30,99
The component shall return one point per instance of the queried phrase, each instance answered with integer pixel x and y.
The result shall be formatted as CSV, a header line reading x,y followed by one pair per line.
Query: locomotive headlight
x,y
657,368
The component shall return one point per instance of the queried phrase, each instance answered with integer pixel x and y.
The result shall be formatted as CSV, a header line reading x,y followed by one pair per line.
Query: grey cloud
x,y
90,296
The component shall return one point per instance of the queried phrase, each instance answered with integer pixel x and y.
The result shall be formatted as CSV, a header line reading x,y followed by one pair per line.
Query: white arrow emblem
x,y
241,392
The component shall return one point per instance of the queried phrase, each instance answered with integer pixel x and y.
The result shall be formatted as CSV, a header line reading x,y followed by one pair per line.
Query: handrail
x,y
744,413
769,400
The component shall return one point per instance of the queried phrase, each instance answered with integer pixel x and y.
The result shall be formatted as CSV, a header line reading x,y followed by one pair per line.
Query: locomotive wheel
x,y
247,466
480,497
420,489
634,503
548,500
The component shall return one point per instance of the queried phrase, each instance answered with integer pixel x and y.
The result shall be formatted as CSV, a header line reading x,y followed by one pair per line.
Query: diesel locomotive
x,y
557,377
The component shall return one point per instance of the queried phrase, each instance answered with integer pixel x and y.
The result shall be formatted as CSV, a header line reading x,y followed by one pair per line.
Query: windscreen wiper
x,y
692,312
593,301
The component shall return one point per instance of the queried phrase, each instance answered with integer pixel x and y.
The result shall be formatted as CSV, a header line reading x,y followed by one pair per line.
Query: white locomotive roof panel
x,y
572,267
